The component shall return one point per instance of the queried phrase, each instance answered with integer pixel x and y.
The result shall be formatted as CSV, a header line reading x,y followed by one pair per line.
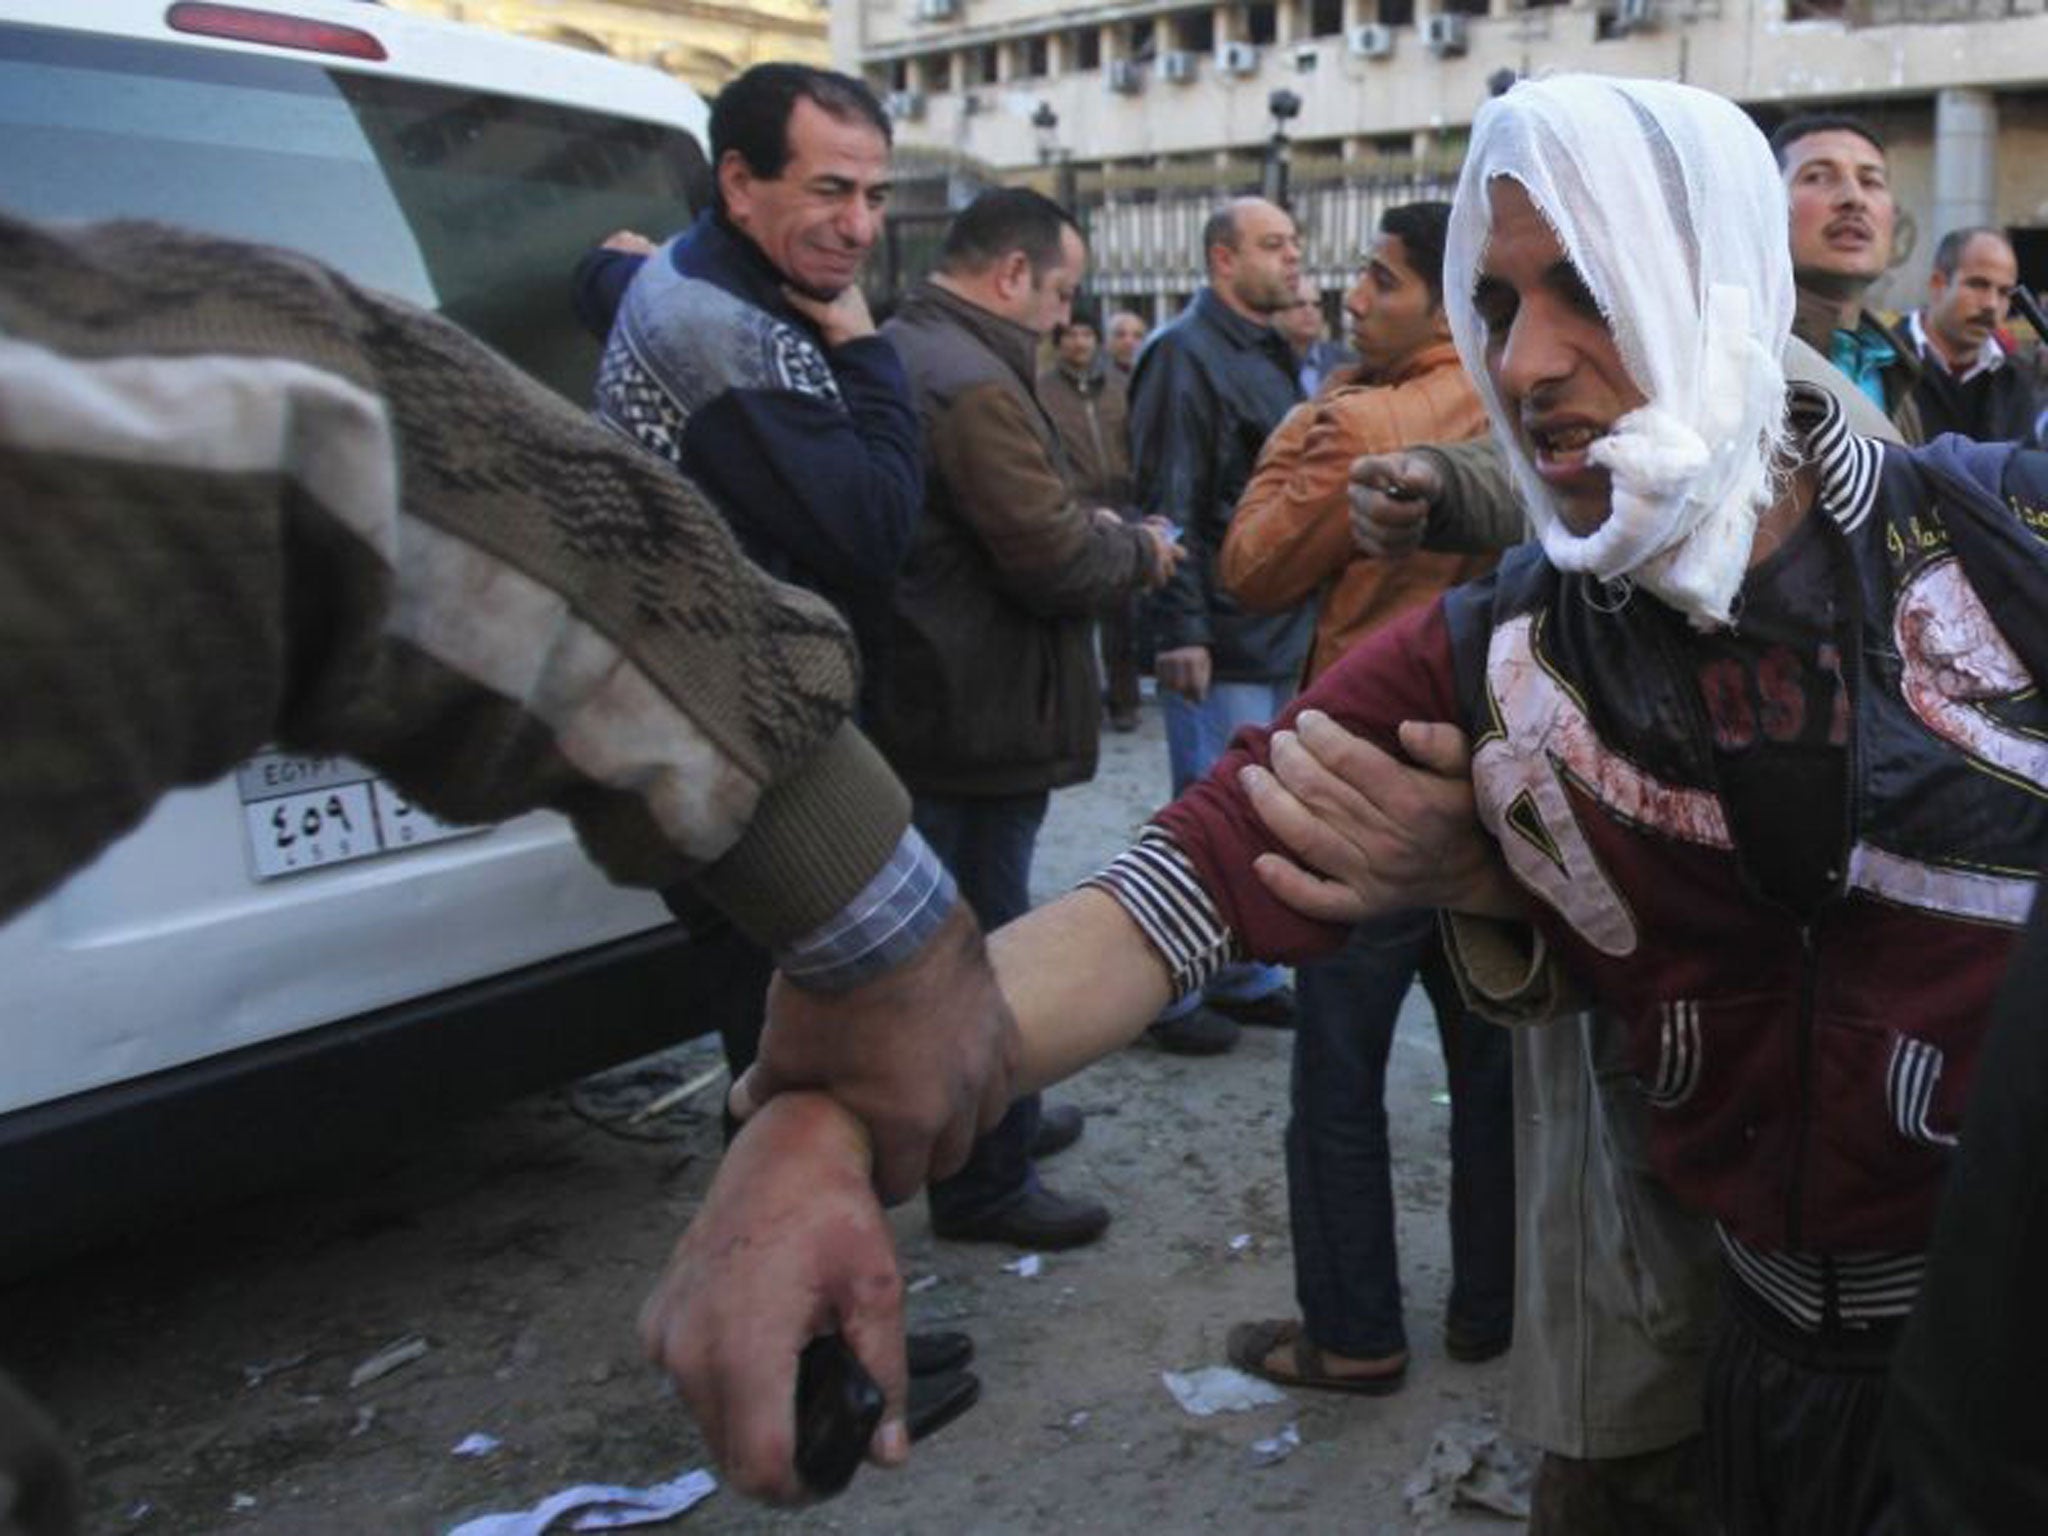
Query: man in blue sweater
x,y
743,352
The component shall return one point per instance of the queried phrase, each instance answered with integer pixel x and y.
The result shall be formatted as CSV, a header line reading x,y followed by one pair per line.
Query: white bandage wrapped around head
x,y
1668,202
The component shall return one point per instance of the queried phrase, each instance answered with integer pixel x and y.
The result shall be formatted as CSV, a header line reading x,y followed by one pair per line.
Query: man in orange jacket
x,y
1291,539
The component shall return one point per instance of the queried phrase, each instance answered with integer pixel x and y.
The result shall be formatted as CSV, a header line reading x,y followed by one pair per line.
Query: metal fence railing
x,y
1144,227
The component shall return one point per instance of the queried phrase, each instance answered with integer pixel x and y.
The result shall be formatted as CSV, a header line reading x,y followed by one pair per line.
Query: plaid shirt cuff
x,y
891,919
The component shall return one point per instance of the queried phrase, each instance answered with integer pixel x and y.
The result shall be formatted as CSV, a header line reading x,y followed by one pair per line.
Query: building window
x,y
1814,10
1196,31
899,74
983,65
1325,18
1261,23
1397,13
1464,7
1143,43
1087,49
1036,64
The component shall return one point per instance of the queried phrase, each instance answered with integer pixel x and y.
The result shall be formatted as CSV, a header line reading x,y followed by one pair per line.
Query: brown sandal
x,y
1249,1347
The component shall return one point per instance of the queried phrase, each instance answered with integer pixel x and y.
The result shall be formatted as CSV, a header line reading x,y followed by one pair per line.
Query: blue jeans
x,y
1340,1197
987,843
1196,735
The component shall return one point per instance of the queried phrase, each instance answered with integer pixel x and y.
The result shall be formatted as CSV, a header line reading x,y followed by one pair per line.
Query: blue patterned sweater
x,y
813,455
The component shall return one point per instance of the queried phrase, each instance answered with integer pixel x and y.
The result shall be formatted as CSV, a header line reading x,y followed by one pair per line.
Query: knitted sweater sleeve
x,y
246,502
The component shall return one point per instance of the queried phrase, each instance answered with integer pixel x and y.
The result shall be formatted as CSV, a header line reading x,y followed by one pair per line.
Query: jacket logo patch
x,y
1910,1081
1541,735
1678,1054
1955,663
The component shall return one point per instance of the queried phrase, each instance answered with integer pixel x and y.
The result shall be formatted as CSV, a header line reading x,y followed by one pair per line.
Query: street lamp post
x,y
1047,122
1285,107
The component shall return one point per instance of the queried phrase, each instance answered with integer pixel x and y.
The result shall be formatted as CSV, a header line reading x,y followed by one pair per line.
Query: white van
x,y
293,961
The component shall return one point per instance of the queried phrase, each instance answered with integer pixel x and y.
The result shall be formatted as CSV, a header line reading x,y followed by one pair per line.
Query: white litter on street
x,y
388,1359
605,1506
1219,1389
1031,1266
478,1444
1473,1465
1278,1448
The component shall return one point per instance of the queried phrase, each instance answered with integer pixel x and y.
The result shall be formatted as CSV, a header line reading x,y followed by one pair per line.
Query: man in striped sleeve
x,y
1756,749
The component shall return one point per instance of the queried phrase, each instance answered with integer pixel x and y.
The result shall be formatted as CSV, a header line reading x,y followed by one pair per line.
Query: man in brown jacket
x,y
1084,394
1290,539
985,681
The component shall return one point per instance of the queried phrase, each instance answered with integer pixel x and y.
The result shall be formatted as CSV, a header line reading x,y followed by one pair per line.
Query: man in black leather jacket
x,y
1207,391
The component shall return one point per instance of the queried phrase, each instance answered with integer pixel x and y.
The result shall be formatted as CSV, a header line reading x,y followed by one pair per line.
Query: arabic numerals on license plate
x,y
318,826
405,824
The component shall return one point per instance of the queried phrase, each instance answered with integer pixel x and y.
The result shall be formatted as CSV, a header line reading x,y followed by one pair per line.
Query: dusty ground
x,y
203,1376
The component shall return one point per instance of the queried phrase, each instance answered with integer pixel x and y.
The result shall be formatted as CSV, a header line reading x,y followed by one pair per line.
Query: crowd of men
x,y
1731,773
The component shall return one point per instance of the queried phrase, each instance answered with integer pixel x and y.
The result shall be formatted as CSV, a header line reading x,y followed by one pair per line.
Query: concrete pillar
x,y
1965,161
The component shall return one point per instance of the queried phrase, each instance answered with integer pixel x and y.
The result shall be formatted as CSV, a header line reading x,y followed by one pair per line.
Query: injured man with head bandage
x,y
1757,764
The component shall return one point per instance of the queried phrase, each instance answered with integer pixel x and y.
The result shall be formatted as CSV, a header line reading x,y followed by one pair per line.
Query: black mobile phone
x,y
838,1406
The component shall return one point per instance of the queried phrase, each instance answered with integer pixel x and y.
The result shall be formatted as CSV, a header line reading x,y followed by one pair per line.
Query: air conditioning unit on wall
x,y
1177,66
1633,16
1444,34
1371,41
904,106
937,10
1124,77
1237,58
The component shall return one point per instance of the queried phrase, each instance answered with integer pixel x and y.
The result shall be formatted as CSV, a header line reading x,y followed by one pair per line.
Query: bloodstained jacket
x,y
1805,1080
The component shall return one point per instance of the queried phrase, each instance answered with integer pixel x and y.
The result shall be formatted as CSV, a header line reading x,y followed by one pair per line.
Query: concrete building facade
x,y
1153,109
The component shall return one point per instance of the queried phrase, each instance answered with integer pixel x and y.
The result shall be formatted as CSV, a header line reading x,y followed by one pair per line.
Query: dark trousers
x,y
1119,634
1794,1426
1656,1493
1340,1195
987,843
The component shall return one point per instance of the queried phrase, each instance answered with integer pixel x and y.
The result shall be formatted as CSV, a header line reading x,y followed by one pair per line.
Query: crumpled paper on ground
x,y
1474,1465
606,1507
1219,1389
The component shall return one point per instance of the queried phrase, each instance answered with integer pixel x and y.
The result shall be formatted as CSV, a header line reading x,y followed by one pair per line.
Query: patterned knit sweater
x,y
245,501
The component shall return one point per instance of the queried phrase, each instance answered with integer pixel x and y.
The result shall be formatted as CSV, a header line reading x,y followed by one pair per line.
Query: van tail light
x,y
246,25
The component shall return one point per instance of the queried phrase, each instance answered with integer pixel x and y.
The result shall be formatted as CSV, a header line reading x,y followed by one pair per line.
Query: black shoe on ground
x,y
1470,1348
1276,1010
928,1354
1204,1032
1038,1219
936,1401
1059,1127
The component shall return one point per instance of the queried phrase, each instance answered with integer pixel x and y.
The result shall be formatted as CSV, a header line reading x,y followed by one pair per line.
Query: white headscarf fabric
x,y
1668,202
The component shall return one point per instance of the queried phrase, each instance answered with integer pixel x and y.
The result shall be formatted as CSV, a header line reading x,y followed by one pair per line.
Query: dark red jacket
x,y
1805,1079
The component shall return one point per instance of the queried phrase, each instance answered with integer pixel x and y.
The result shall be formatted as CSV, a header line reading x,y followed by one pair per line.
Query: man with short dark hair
x,y
1971,381
1085,396
1838,184
743,354
1290,542
984,694
1208,390
743,351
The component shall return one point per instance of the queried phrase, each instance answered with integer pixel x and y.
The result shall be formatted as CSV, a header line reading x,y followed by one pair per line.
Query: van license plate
x,y
302,813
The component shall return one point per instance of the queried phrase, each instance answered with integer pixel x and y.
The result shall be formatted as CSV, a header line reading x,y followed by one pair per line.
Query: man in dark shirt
x,y
1971,379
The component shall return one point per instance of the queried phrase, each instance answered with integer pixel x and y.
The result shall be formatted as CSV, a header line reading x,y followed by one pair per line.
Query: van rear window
x,y
471,203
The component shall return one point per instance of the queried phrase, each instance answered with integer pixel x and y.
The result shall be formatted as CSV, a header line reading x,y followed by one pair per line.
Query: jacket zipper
x,y
1848,632
1795,1188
